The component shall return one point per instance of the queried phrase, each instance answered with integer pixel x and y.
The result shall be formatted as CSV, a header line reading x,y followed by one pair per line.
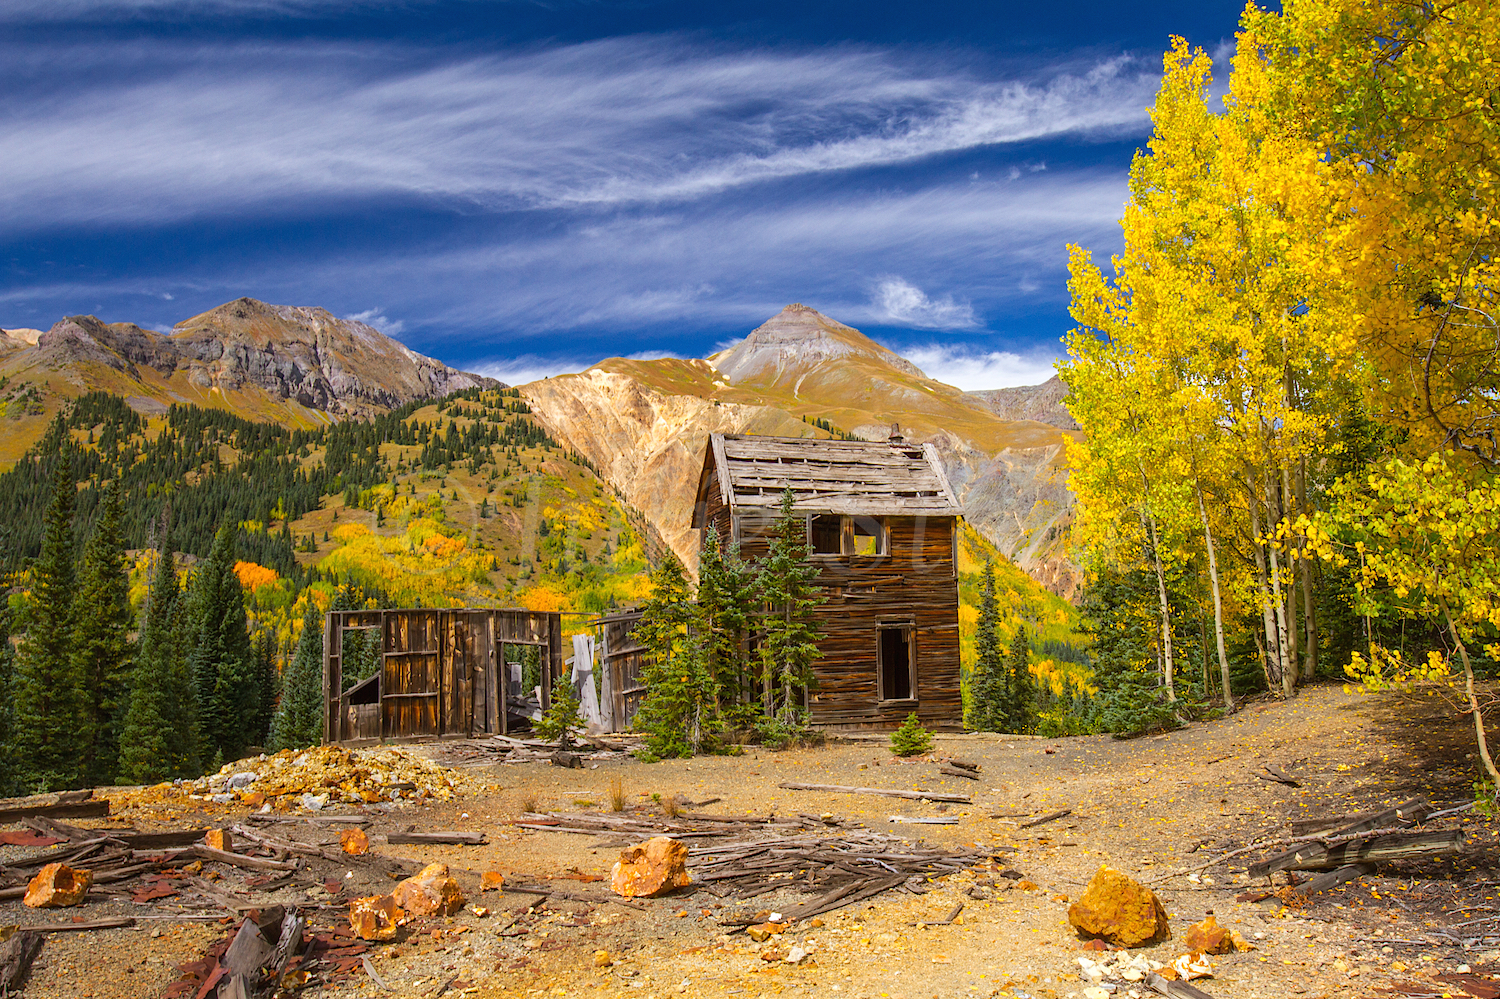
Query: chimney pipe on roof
x,y
895,437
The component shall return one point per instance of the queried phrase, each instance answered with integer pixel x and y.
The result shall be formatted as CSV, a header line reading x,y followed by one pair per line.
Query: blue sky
x,y
525,187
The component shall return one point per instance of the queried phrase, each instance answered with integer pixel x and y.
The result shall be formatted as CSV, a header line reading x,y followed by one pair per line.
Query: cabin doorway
x,y
896,654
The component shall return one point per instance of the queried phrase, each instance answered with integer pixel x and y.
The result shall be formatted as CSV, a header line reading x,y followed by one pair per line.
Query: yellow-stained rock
x,y
57,885
1208,937
354,842
377,917
1117,909
651,868
219,839
763,931
430,892
491,881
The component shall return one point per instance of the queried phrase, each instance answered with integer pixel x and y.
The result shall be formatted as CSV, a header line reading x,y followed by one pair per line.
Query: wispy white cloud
x,y
973,370
162,131
54,11
529,368
904,304
377,318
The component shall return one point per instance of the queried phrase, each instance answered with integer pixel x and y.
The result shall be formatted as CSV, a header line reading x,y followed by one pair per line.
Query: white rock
x,y
796,955
1095,992
314,802
221,799
242,779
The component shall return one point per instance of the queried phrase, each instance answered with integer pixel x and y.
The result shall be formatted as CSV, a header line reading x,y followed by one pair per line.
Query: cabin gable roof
x,y
862,478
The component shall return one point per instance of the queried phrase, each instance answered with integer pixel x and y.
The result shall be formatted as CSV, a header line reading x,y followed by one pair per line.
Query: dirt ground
x,y
1149,807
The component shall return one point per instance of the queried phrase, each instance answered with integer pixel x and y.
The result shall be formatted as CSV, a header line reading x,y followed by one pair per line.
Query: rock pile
x,y
312,779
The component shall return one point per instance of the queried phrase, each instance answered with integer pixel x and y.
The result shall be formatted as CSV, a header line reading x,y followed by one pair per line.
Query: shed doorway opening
x,y
898,663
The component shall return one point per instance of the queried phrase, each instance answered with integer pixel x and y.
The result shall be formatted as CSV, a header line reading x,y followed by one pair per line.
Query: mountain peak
x,y
797,339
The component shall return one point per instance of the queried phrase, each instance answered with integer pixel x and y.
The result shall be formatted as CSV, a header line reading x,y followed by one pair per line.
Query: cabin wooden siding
x,y
439,673
913,584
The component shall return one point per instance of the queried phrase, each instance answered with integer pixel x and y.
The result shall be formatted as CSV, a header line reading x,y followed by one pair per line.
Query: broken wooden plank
x,y
962,799
1401,846
964,765
57,810
71,927
454,838
942,820
16,957
240,860
958,772
1052,817
1276,776
1327,880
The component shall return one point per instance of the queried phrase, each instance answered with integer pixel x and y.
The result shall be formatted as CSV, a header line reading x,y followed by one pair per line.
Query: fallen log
x,y
958,772
1405,814
93,924
1414,810
962,799
1317,857
1333,878
15,959
454,838
57,810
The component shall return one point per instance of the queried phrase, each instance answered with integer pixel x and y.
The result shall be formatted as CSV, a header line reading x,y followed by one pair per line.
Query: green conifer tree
x,y
269,683
47,742
222,661
1021,705
789,633
989,685
160,737
725,593
9,776
298,721
101,645
678,688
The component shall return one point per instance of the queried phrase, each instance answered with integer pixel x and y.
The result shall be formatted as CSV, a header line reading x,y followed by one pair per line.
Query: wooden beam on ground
x,y
57,810
962,799
1333,878
453,838
1398,847
16,955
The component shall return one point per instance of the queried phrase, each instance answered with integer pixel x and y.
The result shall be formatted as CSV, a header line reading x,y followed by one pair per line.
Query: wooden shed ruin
x,y
882,521
437,672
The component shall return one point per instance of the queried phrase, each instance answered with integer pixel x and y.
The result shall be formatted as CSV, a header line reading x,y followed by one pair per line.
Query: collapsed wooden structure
x,y
441,672
882,521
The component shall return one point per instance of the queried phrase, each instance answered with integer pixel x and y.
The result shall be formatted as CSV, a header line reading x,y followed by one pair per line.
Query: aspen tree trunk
x,y
1479,737
1288,669
1283,498
1213,577
1309,604
1270,654
1166,614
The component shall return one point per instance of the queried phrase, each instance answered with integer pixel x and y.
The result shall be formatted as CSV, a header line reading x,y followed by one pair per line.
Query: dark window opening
x,y
895,664
827,534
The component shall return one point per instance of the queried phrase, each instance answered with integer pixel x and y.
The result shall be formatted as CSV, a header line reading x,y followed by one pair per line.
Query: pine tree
x,y
9,782
221,659
298,721
160,737
990,684
48,743
1021,705
789,628
678,688
725,592
101,647
269,684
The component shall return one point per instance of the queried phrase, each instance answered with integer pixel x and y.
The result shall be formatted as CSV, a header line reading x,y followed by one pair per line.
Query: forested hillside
x,y
1288,384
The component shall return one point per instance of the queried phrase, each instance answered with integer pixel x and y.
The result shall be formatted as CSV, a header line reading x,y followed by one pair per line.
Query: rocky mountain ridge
x,y
645,424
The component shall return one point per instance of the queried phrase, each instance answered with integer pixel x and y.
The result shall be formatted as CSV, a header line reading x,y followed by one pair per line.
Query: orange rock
x,y
219,839
1119,910
253,799
491,881
1025,885
764,931
1208,937
650,868
377,917
354,842
430,892
57,885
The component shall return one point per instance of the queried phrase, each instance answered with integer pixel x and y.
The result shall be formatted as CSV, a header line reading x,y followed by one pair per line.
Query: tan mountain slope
x,y
645,424
297,366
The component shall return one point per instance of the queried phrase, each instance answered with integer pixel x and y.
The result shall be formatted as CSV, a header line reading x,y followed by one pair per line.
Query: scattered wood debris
x,y
962,799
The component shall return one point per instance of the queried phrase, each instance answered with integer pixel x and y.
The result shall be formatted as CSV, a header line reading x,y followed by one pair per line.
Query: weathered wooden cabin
x,y
882,521
441,673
